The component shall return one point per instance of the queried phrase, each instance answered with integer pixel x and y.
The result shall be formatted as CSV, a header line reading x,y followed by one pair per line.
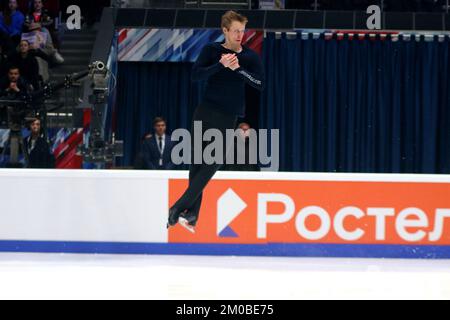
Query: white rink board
x,y
125,212
82,206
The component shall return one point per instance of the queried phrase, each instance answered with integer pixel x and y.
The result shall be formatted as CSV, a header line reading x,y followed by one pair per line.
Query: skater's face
x,y
13,5
160,128
36,127
235,34
13,75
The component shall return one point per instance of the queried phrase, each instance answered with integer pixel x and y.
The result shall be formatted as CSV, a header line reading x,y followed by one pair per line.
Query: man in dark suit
x,y
157,148
37,149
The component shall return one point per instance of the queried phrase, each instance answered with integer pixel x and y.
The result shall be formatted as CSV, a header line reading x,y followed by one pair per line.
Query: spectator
x,y
40,20
38,154
27,64
13,86
11,24
157,149
45,18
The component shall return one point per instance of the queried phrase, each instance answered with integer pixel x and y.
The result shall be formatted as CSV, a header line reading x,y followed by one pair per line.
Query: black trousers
x,y
201,174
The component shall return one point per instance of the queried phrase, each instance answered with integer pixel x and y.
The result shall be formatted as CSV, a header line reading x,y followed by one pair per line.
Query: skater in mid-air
x,y
226,67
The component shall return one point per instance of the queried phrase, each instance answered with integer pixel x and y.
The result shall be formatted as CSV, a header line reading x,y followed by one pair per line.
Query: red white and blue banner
x,y
173,45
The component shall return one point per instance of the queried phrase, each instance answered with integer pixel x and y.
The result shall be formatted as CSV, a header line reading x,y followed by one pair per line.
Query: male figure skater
x,y
226,67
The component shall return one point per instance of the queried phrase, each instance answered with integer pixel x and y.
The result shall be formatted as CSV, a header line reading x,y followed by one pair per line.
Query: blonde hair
x,y
230,16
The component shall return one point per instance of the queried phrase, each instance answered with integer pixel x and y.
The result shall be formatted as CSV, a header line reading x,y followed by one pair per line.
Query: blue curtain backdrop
x,y
359,105
341,105
149,90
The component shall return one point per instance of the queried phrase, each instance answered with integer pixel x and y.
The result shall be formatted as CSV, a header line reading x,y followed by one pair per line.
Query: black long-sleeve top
x,y
225,89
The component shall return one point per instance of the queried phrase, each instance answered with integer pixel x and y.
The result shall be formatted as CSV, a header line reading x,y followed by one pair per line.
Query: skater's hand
x,y
228,59
234,65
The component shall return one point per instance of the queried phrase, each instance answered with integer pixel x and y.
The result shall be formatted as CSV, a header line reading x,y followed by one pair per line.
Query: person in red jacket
x,y
39,19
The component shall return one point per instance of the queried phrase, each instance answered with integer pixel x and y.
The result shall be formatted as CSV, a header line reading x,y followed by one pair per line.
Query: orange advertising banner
x,y
319,212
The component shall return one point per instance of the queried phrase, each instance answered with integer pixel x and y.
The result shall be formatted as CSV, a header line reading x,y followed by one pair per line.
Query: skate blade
x,y
185,224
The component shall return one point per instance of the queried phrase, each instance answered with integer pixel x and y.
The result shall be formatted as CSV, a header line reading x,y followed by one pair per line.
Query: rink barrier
x,y
243,214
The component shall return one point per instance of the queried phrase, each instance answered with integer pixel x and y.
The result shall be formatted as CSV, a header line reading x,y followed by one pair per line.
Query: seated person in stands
x,y
11,24
13,86
38,16
46,17
40,20
38,154
157,149
27,64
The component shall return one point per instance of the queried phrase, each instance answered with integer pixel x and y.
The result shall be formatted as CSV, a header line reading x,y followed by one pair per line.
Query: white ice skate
x,y
185,224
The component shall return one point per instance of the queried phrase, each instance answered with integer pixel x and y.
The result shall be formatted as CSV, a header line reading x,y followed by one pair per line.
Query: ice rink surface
x,y
56,276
